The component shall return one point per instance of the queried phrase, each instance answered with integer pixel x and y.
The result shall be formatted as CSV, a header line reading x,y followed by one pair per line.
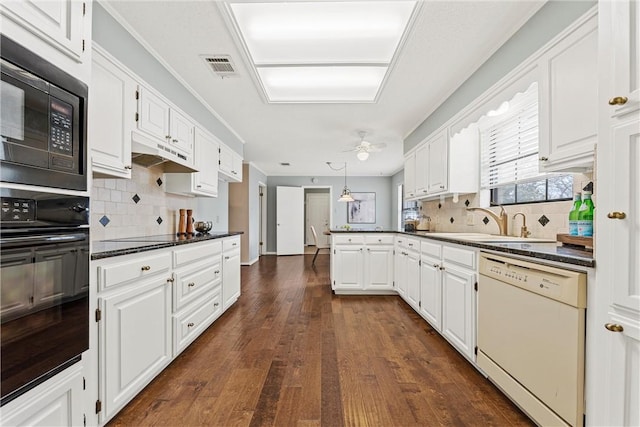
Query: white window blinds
x,y
509,142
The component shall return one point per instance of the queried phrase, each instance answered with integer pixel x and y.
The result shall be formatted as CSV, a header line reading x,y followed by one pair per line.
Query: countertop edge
x,y
149,246
578,259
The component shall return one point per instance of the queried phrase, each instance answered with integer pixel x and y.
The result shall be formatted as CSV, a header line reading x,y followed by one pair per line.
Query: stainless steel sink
x,y
490,238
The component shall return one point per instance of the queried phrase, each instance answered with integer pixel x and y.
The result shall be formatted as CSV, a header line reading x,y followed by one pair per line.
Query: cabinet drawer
x,y
232,243
433,250
188,325
408,243
347,239
134,268
462,257
191,253
379,239
191,284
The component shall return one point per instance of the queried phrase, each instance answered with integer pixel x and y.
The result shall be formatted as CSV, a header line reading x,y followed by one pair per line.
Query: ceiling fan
x,y
365,147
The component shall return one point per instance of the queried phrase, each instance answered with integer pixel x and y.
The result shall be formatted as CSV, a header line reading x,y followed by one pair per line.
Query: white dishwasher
x,y
531,332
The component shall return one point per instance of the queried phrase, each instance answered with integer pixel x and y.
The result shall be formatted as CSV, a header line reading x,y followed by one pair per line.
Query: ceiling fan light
x,y
362,156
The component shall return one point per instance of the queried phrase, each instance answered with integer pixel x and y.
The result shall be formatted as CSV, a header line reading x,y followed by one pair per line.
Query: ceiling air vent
x,y
222,65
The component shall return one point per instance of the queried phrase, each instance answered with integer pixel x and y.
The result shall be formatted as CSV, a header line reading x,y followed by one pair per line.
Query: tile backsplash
x,y
135,207
544,220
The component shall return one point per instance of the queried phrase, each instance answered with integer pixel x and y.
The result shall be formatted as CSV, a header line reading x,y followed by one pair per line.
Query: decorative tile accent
x,y
159,182
104,220
136,198
485,220
451,220
543,220
439,205
159,220
467,203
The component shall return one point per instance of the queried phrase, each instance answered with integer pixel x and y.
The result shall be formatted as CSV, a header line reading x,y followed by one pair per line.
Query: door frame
x,y
262,220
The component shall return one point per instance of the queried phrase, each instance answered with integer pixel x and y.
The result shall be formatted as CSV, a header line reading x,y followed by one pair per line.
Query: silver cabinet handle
x,y
127,167
544,159
191,285
190,325
146,268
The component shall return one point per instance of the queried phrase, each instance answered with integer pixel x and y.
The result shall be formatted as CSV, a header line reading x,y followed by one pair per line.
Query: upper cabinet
x,y
442,166
112,100
230,164
59,23
204,182
569,101
162,121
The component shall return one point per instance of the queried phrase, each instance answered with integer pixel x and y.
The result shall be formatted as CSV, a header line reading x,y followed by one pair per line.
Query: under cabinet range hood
x,y
148,152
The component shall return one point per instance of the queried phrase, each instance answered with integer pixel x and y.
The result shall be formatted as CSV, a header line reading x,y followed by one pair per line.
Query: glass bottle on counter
x,y
585,215
573,215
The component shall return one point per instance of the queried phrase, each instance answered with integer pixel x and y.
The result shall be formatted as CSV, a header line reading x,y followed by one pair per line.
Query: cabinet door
x,y
431,291
153,114
113,101
181,131
59,23
458,309
348,267
225,160
379,268
236,170
400,270
134,341
422,170
230,277
206,154
413,280
624,55
410,176
57,402
569,95
438,166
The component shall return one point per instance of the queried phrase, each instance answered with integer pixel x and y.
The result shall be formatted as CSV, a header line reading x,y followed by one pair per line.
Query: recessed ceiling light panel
x,y
321,51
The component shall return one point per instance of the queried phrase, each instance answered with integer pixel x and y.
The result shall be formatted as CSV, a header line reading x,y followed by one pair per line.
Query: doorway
x,y
317,213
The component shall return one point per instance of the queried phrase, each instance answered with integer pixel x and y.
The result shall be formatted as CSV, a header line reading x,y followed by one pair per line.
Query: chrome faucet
x,y
523,230
501,219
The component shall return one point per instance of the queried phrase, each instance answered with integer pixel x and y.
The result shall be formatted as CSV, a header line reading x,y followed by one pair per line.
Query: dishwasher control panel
x,y
562,285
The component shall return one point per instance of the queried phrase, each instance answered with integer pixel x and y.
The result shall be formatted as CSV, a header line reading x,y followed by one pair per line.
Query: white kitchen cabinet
x,y
437,163
61,24
443,165
134,341
205,181
431,283
420,170
362,263
407,269
458,309
410,176
568,92
164,122
230,164
112,99
59,401
190,323
230,271
616,400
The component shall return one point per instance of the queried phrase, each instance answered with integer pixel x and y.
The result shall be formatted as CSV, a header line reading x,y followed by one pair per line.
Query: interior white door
x,y
318,216
289,220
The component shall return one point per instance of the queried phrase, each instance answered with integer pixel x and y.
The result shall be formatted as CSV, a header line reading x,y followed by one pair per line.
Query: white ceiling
x,y
448,42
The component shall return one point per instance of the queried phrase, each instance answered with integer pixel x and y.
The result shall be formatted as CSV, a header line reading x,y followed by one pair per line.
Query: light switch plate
x,y
470,218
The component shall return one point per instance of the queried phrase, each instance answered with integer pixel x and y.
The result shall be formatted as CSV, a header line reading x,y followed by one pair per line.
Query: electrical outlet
x,y
437,219
471,219
217,219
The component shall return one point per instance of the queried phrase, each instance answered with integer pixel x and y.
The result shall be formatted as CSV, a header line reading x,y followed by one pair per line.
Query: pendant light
x,y
346,193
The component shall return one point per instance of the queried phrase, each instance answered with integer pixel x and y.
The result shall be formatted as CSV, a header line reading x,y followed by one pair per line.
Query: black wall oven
x,y
43,121
44,291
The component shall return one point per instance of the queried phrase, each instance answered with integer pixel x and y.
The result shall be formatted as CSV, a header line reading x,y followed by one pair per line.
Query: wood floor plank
x,y
291,353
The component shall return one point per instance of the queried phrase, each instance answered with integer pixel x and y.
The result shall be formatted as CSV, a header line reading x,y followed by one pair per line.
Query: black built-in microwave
x,y
43,121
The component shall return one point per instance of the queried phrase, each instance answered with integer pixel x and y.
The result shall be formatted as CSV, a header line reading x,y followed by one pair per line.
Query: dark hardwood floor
x,y
290,353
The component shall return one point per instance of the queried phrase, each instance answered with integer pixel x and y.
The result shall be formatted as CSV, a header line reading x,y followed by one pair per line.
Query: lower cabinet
x,y
362,263
151,306
431,291
134,341
458,309
230,271
58,401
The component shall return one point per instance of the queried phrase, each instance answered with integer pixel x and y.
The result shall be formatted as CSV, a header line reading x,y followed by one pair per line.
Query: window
x,y
509,144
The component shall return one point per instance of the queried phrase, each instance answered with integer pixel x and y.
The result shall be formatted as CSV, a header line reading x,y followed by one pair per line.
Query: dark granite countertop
x,y
547,251
131,245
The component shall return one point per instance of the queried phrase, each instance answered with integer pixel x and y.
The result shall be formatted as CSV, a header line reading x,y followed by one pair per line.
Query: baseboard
x,y
253,261
269,253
